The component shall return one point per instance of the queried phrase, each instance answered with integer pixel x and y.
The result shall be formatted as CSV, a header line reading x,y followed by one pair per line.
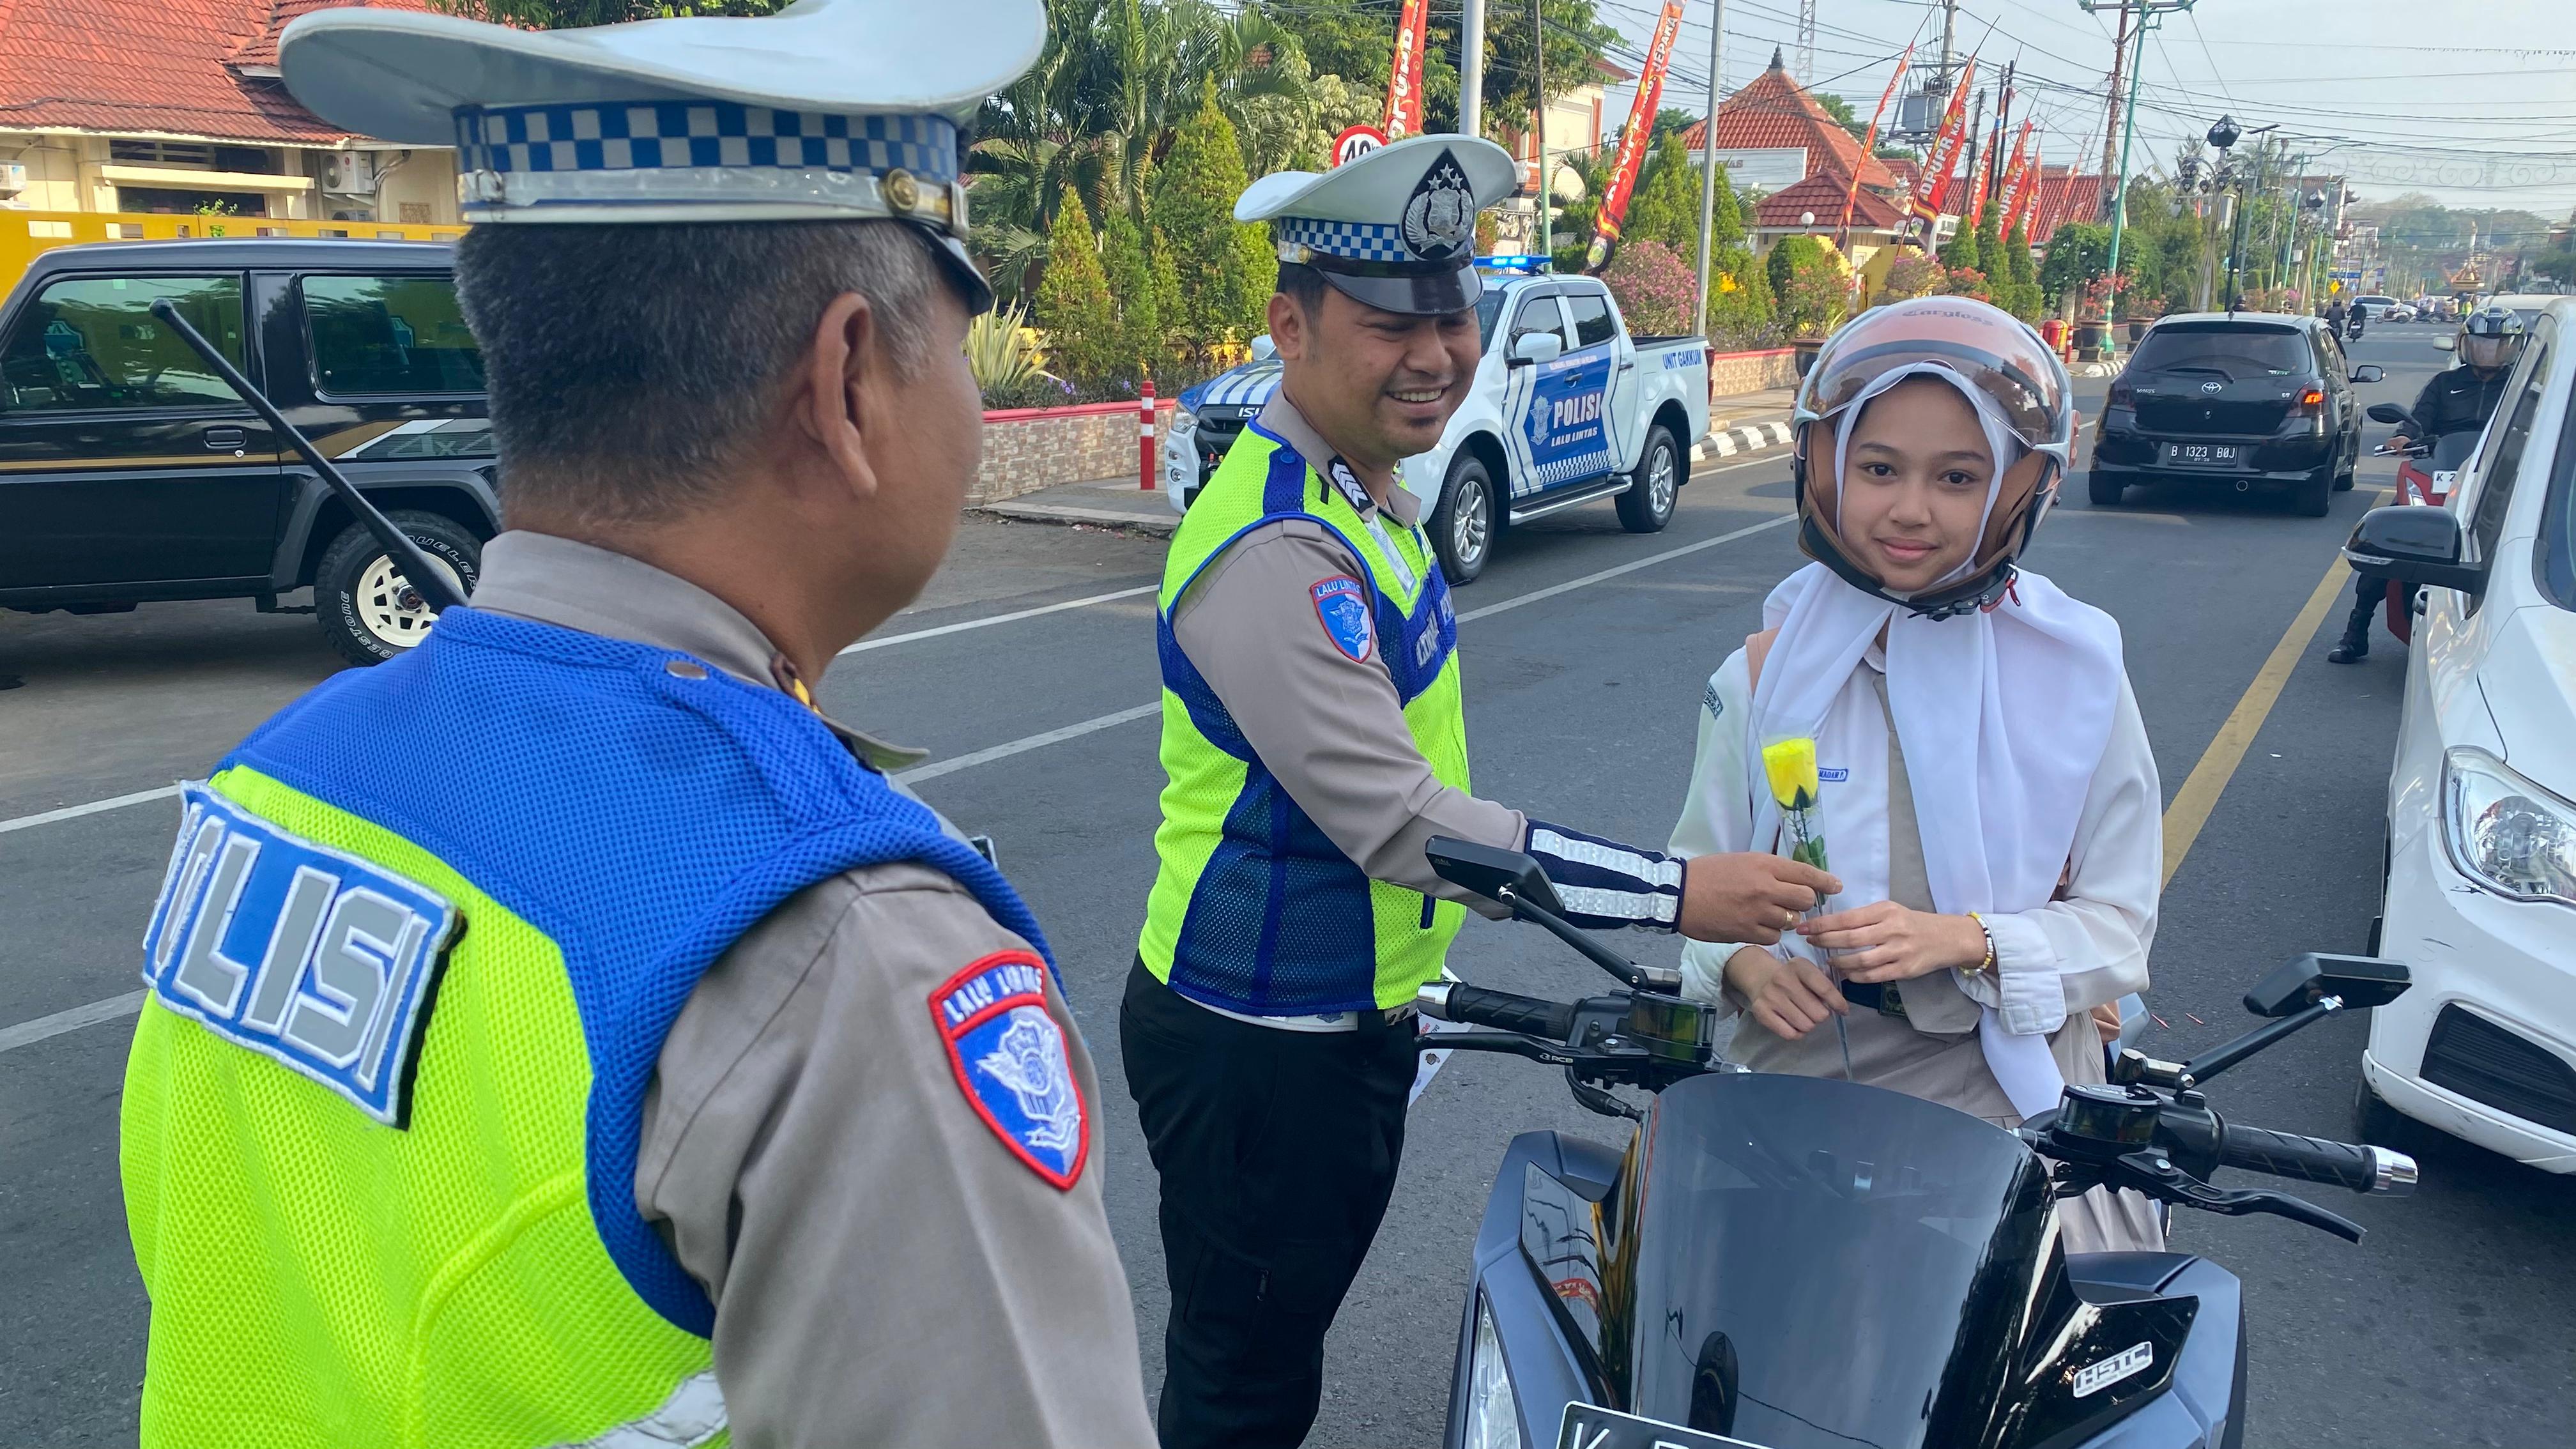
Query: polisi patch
x,y
311,957
1342,605
1010,1060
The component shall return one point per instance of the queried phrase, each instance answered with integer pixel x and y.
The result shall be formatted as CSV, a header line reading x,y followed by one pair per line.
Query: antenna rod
x,y
425,579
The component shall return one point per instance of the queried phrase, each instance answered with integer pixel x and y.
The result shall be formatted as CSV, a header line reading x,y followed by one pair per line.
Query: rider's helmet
x,y
2021,392
2492,339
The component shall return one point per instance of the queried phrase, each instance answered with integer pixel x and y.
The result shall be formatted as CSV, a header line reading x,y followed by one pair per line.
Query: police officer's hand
x,y
1790,998
1748,896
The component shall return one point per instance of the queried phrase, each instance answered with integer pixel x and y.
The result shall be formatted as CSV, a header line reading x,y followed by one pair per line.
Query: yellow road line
x,y
2200,790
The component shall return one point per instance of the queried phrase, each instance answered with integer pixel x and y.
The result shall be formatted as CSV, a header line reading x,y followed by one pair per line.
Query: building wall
x,y
417,186
53,171
1025,450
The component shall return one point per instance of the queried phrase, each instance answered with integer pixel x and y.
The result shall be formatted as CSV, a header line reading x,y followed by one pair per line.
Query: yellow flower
x,y
1791,764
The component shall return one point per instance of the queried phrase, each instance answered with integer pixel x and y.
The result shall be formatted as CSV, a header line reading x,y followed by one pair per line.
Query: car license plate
x,y
1590,1426
2204,455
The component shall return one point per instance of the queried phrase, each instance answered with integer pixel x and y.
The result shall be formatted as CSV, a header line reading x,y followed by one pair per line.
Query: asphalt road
x,y
2449,1325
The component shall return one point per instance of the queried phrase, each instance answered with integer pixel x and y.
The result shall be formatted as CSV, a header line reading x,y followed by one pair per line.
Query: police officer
x,y
565,1033
2454,400
1314,741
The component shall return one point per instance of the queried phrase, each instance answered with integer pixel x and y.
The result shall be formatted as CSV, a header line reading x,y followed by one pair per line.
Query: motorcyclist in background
x,y
2454,400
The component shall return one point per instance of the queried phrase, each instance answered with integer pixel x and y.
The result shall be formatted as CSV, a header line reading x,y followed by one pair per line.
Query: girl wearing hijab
x,y
1986,791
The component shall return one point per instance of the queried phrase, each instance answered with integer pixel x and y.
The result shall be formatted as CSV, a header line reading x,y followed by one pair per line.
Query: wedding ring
x,y
1790,924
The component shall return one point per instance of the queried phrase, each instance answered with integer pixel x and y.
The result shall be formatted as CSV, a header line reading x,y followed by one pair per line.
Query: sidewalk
x,y
1743,423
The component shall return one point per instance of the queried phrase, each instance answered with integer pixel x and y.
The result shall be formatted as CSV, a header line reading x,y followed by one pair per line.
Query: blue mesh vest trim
x,y
642,821
1276,877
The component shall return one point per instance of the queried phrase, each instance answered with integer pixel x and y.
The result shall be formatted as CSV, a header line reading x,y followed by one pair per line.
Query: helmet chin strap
x,y
1967,596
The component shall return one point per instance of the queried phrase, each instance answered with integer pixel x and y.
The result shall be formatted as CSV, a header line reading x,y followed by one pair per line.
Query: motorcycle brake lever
x,y
2155,1174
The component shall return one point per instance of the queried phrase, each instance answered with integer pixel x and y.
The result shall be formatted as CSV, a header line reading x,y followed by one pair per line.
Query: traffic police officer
x,y
2455,400
563,1033
1314,741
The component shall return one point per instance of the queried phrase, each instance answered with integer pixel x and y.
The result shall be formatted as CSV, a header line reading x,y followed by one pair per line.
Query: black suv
x,y
130,473
2241,399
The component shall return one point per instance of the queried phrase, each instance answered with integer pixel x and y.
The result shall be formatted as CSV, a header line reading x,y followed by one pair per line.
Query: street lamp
x,y
2223,135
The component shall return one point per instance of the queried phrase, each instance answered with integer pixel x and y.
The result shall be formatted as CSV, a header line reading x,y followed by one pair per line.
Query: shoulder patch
x,y
1343,607
1708,699
316,959
1010,1060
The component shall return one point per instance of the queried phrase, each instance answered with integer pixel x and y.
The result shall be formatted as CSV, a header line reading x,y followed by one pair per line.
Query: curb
x,y
1145,524
1742,438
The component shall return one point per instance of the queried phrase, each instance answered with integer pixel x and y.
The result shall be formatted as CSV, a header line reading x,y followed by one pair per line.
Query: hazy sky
x,y
2473,101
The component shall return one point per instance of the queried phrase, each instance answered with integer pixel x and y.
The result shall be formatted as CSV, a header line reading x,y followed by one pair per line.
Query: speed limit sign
x,y
1355,142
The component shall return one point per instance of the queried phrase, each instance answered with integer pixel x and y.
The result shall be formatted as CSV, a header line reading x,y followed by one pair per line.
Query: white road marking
x,y
1649,561
28,1033
74,812
1025,743
865,645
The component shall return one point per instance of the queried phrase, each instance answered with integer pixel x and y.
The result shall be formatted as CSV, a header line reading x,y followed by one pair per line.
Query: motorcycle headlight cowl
x,y
1493,1419
2510,836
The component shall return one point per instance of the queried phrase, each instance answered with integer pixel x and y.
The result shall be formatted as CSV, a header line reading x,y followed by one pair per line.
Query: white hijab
x,y
2003,716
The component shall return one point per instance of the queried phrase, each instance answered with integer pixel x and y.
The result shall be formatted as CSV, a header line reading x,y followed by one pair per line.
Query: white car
x,y
2481,890
1567,407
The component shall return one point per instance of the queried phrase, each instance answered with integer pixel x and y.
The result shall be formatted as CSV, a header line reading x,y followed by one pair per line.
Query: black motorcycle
x,y
1779,1262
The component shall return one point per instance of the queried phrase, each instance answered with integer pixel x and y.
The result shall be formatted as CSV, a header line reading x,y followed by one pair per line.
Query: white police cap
x,y
828,109
1395,229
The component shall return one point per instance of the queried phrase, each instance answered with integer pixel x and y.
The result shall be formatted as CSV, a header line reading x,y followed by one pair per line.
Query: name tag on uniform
x,y
311,957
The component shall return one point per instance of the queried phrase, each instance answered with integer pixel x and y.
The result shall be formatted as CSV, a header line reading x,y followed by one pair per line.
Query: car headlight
x,y
1493,1420
1184,421
2506,833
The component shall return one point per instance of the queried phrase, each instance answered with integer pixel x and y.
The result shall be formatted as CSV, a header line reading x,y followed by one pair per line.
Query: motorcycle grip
x,y
1506,1011
2314,1159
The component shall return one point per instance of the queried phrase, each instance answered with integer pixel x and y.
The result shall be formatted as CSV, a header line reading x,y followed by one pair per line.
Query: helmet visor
x,y
1986,347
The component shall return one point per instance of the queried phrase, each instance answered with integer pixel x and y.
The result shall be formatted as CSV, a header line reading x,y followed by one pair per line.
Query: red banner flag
x,y
1869,147
1404,84
1633,137
2023,187
1932,187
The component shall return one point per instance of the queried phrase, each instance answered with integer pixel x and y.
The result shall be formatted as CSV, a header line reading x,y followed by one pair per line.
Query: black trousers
x,y
1277,1152
2369,595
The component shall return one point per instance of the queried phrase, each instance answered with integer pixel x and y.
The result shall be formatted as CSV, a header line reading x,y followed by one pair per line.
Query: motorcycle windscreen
x,y
1819,1265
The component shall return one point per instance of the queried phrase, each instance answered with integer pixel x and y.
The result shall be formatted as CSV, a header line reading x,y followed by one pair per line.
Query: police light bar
x,y
1515,263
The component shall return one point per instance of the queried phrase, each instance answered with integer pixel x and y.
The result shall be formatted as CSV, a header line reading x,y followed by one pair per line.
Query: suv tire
x,y
353,586
1648,504
2104,492
2313,496
1464,525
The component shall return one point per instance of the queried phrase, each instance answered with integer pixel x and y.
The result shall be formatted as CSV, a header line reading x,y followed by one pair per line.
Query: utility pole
x,y
2111,120
1538,131
1471,70
1708,152
2148,10
2290,233
1995,145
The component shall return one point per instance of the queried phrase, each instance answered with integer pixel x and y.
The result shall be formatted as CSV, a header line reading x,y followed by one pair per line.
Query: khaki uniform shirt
x,y
1328,727
884,1270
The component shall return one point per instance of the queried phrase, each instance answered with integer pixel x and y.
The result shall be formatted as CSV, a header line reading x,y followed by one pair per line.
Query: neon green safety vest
x,y
1254,909
383,1107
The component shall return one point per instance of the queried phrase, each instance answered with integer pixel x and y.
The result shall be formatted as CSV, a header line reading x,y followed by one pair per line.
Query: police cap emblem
x,y
1440,215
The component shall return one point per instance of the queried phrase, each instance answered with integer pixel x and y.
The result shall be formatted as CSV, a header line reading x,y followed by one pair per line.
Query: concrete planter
x,y
1026,449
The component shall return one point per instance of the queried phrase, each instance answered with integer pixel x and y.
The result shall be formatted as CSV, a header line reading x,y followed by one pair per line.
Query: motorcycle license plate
x,y
1590,1426
2204,455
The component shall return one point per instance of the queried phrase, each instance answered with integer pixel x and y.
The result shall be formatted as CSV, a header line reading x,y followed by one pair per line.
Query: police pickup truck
x,y
1566,408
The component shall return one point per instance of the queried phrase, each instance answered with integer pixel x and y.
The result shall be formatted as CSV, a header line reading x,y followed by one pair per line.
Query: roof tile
x,y
172,67
1774,112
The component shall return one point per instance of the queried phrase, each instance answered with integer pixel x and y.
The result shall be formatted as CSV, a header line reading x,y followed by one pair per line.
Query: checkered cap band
x,y
1358,241
700,135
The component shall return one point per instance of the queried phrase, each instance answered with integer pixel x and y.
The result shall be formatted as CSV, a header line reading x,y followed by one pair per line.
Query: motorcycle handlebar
x,y
1502,1010
2314,1159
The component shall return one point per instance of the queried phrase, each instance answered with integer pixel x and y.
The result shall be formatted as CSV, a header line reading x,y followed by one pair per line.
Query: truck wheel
x,y
359,596
1462,527
1648,504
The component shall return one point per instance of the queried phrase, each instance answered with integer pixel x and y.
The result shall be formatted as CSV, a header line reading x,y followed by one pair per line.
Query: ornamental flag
x,y
1634,136
1404,83
1932,187
1869,147
2025,191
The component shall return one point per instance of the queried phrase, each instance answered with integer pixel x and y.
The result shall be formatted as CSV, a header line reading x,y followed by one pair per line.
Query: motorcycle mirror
x,y
2445,343
1497,875
2386,412
2361,981
2371,372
